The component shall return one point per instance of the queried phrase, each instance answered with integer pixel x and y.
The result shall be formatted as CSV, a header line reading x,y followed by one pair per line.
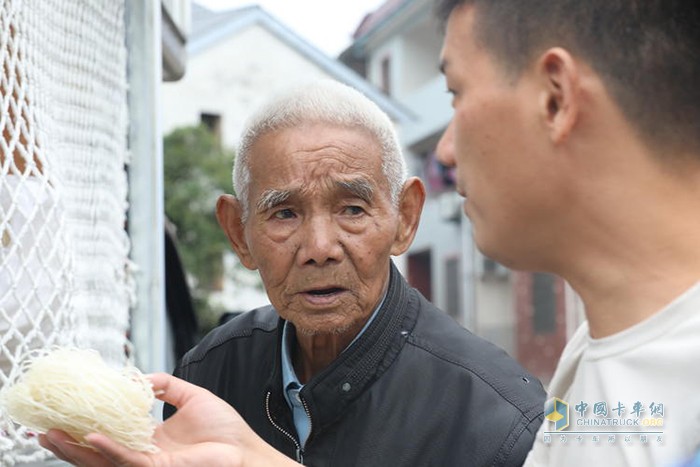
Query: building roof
x,y
211,27
377,17
392,17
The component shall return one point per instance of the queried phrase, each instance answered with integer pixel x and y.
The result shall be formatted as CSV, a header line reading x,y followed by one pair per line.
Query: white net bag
x,y
63,187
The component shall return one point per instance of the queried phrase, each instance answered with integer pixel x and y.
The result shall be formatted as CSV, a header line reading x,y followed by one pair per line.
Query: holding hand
x,y
205,430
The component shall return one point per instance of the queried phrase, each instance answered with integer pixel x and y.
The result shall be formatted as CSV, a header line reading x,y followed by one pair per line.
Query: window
x,y
453,282
386,75
213,122
544,303
419,273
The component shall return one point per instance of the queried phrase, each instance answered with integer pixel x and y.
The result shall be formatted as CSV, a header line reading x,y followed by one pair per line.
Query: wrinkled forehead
x,y
315,150
317,155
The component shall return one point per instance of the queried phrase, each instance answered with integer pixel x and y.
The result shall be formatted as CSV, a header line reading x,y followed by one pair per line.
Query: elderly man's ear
x,y
229,214
410,208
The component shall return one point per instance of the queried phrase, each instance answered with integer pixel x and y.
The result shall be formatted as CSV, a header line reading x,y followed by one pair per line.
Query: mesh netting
x,y
63,246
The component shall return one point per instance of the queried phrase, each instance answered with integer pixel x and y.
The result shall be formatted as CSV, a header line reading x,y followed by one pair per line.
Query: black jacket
x,y
416,389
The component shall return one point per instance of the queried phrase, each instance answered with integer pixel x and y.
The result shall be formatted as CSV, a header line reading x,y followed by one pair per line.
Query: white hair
x,y
324,101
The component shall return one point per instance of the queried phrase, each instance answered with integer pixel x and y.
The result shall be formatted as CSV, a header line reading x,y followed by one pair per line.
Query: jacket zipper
x,y
308,414
299,450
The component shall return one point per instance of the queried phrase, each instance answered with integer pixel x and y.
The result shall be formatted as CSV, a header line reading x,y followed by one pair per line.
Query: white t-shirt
x,y
638,391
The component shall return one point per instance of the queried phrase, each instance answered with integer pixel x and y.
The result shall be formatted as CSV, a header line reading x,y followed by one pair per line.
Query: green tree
x,y
196,171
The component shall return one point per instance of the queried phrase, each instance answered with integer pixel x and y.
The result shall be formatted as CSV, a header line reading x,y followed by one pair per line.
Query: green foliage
x,y
197,170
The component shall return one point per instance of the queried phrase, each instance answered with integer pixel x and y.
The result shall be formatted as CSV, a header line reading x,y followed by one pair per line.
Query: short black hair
x,y
646,51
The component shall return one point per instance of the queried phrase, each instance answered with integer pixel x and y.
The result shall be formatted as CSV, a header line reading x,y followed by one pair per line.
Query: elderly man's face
x,y
321,225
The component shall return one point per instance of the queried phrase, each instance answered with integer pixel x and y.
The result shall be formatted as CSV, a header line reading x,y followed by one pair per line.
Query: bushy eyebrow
x,y
271,198
358,188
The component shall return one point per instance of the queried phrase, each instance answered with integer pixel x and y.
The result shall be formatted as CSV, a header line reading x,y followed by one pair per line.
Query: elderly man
x,y
349,365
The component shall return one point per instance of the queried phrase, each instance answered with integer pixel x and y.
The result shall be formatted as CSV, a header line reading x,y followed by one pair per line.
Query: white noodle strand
x,y
74,390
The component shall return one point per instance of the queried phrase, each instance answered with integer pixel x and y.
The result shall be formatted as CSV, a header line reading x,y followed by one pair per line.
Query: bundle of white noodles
x,y
76,391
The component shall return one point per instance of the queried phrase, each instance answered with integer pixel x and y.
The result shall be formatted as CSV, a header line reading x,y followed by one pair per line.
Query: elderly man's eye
x,y
354,210
284,214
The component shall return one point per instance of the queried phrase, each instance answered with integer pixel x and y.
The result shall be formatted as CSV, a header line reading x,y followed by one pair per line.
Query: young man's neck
x,y
640,252
616,307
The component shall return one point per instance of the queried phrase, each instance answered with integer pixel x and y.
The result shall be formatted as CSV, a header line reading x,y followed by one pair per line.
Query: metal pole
x,y
146,211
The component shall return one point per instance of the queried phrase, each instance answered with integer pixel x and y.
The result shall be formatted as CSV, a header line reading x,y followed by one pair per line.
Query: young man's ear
x,y
229,213
410,208
560,92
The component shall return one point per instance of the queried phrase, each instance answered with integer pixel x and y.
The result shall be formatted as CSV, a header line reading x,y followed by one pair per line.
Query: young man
x,y
576,141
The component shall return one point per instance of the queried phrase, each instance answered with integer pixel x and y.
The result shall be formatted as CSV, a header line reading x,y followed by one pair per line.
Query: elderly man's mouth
x,y
328,291
323,296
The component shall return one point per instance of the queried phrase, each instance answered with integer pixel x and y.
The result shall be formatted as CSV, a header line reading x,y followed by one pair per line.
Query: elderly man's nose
x,y
446,147
320,243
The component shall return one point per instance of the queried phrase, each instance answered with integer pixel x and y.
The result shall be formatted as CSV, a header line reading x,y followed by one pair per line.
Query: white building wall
x,y
419,60
414,56
231,78
431,104
390,49
443,240
495,318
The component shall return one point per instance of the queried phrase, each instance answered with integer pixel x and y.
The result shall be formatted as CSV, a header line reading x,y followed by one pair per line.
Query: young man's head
x,y
646,51
564,113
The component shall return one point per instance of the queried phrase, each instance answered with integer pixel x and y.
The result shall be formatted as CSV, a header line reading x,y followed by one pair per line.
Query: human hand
x,y
205,430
